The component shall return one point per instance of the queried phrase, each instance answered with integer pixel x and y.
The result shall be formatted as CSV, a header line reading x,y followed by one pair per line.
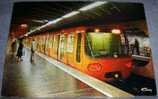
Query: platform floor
x,y
40,79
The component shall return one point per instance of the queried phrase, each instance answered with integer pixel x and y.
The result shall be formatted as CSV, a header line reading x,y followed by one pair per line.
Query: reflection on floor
x,y
40,79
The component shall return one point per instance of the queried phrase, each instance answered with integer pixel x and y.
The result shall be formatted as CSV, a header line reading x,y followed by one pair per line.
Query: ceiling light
x,y
40,21
116,31
77,31
92,5
82,31
23,25
26,35
71,14
97,30
54,21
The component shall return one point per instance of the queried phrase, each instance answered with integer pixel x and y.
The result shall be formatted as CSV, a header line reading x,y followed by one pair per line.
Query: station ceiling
x,y
38,13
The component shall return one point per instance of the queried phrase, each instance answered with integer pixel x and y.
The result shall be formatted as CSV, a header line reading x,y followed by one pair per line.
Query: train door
x,y
38,43
58,39
46,44
56,46
43,43
62,48
78,50
70,49
50,45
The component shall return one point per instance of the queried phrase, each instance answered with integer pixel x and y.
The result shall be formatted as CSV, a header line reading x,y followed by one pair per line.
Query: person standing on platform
x,y
20,50
136,47
13,47
33,48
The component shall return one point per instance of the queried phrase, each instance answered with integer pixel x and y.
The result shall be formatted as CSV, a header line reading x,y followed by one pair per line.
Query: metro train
x,y
92,50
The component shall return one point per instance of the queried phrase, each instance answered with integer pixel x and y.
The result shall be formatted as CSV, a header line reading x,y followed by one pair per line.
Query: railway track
x,y
136,85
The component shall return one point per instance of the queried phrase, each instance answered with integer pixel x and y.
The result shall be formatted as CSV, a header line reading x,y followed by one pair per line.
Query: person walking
x,y
20,51
33,48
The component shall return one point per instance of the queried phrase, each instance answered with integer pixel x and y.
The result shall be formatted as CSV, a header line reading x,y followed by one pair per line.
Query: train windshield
x,y
103,44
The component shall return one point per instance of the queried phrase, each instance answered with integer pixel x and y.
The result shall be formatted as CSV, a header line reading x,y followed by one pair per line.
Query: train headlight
x,y
94,67
116,75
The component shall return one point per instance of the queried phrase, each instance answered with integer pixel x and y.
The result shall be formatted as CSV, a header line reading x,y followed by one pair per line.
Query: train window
x,y
78,51
102,44
70,43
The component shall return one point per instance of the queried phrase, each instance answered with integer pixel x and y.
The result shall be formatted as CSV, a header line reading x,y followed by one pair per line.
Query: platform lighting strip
x,y
54,21
85,8
92,5
71,14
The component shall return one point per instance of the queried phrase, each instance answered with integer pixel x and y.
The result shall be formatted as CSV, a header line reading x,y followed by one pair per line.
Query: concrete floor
x,y
40,79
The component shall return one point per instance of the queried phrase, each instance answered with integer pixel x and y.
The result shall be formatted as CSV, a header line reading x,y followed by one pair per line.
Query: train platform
x,y
47,77
40,79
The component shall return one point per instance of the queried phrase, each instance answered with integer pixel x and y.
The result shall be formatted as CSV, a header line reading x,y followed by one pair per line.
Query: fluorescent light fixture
x,y
23,25
70,14
116,31
40,21
54,21
92,5
42,26
97,30
32,31
26,35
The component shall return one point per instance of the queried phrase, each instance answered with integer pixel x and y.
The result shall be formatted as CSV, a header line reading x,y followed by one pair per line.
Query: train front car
x,y
106,55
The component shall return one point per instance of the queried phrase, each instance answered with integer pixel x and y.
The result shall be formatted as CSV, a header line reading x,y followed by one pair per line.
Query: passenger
x,y
136,47
33,48
20,51
13,47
